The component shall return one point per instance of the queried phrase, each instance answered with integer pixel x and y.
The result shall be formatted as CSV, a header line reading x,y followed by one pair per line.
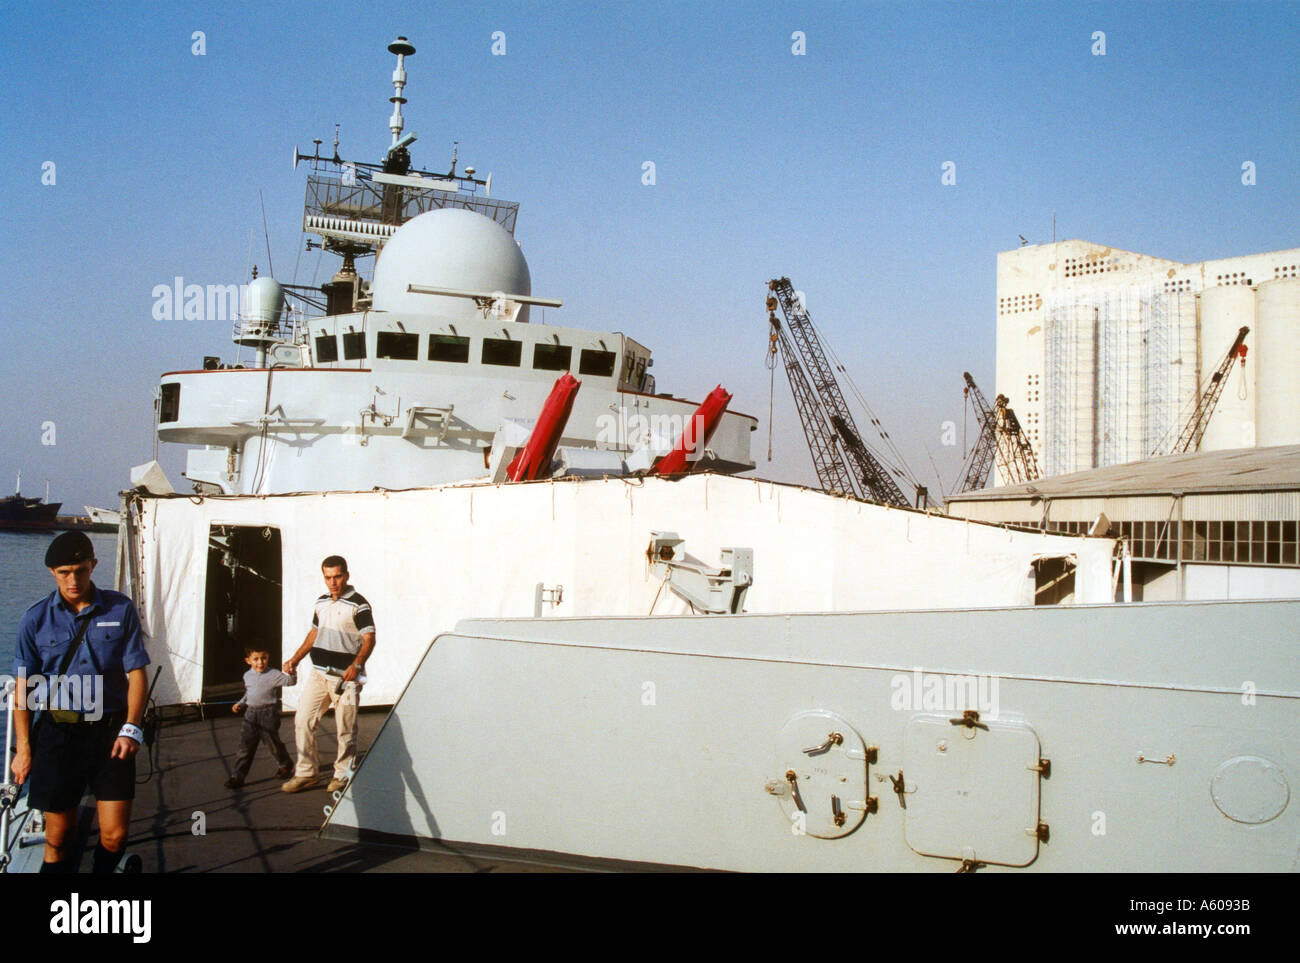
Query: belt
x,y
66,717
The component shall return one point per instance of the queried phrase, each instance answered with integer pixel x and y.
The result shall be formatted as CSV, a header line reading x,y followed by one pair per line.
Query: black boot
x,y
105,861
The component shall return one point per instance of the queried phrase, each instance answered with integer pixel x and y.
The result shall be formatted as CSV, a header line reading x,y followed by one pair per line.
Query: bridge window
x,y
552,357
354,345
503,352
327,348
448,347
600,364
169,408
397,345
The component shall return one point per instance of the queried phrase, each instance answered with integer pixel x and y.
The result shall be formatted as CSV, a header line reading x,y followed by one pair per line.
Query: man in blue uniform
x,y
81,659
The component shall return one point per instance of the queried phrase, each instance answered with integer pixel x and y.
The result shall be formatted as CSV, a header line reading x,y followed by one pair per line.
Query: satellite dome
x,y
449,248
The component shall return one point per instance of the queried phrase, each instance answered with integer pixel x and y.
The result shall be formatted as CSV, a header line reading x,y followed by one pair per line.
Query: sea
x,y
24,579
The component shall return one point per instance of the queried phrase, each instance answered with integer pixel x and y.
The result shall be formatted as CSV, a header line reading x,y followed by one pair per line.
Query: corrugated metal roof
x,y
1236,470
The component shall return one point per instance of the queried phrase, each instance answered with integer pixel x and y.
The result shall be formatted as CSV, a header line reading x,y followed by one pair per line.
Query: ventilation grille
x,y
1018,303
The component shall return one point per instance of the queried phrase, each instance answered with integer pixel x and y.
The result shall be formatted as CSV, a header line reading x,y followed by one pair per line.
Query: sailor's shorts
x,y
68,758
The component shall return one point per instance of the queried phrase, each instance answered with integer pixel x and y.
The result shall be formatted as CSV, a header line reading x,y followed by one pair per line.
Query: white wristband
x,y
134,733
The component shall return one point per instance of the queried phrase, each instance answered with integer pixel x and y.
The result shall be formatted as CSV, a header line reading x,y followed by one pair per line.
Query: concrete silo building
x,y
1102,352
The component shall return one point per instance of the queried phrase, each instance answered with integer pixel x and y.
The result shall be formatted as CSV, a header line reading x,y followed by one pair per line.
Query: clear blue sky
x,y
823,167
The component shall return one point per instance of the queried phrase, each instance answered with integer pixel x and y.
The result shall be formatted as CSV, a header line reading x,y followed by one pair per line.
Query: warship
x,y
603,646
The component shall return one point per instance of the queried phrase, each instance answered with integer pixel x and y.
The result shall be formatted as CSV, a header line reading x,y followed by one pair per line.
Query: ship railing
x,y
286,339
8,788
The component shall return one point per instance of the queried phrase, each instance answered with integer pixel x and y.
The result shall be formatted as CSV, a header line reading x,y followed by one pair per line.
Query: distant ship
x,y
108,517
29,514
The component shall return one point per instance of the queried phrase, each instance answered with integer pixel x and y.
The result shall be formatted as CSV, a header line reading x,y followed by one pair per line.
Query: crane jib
x,y
831,460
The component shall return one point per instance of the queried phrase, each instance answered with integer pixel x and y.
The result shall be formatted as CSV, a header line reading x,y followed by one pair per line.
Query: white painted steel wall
x,y
427,558
540,736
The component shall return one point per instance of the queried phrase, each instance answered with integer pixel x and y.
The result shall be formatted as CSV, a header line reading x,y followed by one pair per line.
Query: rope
x,y
899,466
770,362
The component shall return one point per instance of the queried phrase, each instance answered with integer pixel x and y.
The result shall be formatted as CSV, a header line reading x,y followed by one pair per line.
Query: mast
x,y
355,206
403,48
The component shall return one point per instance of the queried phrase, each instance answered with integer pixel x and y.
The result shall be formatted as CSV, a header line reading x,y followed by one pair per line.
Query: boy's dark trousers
x,y
261,724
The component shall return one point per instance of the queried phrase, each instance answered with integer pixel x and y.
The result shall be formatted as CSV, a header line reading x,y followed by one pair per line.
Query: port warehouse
x,y
1207,525
1102,351
210,573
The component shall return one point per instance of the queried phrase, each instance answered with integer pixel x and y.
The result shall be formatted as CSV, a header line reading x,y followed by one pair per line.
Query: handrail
x,y
8,788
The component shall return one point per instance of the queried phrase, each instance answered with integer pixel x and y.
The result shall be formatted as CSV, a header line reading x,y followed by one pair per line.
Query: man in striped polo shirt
x,y
341,639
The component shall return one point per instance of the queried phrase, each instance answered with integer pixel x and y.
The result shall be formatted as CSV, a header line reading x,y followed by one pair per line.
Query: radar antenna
x,y
355,206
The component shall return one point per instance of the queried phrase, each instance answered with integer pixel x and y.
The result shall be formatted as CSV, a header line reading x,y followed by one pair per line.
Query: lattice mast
x,y
1194,431
877,484
1016,455
982,452
829,464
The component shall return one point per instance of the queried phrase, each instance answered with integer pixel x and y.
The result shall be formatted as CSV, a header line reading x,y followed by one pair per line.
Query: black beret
x,y
70,548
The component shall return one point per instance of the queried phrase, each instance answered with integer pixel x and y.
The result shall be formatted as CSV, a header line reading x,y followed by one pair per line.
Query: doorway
x,y
1054,579
242,605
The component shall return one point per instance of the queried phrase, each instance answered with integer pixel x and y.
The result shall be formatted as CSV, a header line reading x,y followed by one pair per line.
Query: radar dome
x,y
449,248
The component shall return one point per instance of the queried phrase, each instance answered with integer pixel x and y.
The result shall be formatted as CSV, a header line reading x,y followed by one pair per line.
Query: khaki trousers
x,y
318,698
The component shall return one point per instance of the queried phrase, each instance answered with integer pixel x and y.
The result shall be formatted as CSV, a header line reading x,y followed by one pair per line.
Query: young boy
x,y
261,715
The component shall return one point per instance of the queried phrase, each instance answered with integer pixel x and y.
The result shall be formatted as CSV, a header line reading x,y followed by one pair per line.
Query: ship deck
x,y
258,828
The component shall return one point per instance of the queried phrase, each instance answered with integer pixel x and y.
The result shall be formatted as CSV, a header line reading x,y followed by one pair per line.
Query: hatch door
x,y
973,790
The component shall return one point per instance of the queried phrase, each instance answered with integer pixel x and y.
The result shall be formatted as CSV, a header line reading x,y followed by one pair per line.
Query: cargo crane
x,y
1021,463
832,472
848,466
984,449
1194,430
1000,437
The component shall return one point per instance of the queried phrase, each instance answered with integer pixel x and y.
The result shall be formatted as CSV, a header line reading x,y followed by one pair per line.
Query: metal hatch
x,y
822,775
973,789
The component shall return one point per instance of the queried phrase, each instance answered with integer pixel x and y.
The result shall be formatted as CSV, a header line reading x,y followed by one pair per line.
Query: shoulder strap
x,y
76,644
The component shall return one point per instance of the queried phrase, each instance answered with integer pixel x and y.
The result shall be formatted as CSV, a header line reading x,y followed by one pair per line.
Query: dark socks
x,y
62,868
105,861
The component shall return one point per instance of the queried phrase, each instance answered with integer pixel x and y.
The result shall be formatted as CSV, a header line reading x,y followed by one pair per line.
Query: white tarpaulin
x,y
427,558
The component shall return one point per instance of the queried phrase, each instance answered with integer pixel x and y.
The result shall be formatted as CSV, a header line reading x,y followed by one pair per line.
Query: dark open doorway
x,y
1054,580
242,607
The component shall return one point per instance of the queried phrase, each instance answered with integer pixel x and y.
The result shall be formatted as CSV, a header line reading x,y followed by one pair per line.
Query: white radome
x,y
449,248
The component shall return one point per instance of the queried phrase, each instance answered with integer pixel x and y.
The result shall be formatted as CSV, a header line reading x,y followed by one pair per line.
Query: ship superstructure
x,y
409,379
